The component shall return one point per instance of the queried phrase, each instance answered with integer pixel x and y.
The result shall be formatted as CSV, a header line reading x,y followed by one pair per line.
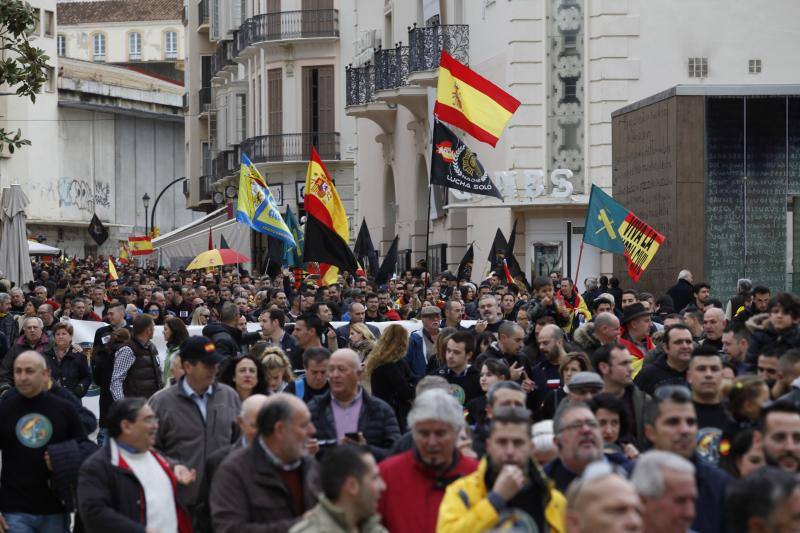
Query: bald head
x,y
31,374
344,374
606,327
252,405
347,356
606,503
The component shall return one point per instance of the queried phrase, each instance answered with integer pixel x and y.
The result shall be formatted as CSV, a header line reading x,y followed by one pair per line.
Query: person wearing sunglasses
x,y
671,425
579,442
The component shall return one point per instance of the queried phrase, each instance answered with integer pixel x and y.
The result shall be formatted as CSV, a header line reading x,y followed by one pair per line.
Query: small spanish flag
x,y
112,270
469,101
140,245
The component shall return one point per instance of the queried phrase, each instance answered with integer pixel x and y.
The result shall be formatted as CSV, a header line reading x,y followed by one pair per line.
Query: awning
x,y
37,248
177,248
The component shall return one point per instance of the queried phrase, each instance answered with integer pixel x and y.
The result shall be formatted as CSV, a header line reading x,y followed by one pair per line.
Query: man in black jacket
x,y
682,293
670,369
348,414
126,485
227,337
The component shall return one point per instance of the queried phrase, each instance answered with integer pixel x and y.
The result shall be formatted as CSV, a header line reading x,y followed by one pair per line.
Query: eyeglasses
x,y
578,424
154,311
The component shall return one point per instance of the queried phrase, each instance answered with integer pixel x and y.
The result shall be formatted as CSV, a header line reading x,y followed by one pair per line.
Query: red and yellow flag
x,y
469,101
112,270
140,245
327,230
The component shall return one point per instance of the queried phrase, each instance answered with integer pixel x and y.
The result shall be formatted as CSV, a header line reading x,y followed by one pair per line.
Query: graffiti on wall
x,y
79,194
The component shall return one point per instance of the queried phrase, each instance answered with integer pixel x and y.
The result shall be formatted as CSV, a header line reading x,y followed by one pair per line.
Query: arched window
x,y
171,45
134,46
61,45
99,47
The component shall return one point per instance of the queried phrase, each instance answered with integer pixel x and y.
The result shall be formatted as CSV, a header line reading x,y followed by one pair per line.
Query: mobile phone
x,y
352,436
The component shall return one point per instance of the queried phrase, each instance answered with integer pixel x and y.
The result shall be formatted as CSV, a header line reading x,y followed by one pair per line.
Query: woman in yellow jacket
x,y
467,506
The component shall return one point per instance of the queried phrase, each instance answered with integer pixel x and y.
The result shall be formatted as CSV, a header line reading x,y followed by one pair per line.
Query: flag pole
x,y
427,238
578,267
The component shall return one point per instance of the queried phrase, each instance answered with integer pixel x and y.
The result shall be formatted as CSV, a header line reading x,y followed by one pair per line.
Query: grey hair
x,y
684,274
5,297
432,382
558,419
16,290
591,282
36,318
606,319
439,405
648,475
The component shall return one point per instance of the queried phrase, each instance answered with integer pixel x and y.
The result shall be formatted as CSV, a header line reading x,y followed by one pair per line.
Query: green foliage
x,y
23,67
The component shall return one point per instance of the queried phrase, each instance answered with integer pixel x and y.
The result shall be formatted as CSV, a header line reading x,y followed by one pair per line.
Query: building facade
x,y
571,63
102,136
144,34
266,79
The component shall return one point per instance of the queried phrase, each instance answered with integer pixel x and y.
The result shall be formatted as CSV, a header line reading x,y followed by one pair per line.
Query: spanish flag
x,y
140,245
112,270
471,102
327,230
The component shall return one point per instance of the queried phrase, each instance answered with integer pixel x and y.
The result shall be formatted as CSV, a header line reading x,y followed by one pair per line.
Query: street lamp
x,y
146,202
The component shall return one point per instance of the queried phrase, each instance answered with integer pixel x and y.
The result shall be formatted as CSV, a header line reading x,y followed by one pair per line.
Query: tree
x,y
23,67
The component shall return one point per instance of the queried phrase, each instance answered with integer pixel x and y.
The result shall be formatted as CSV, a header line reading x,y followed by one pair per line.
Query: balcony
x,y
205,100
426,45
360,100
226,164
288,25
205,189
392,67
223,57
202,15
291,147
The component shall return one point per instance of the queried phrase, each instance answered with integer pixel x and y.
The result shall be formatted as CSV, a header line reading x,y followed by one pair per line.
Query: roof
x,y
752,90
118,11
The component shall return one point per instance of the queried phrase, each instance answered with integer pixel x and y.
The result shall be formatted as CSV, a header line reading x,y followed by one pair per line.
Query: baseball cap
x,y
585,380
430,310
200,349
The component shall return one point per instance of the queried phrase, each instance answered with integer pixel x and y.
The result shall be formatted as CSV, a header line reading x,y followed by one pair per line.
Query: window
x,y
241,117
61,45
570,43
49,23
171,45
754,66
99,47
698,67
134,46
50,81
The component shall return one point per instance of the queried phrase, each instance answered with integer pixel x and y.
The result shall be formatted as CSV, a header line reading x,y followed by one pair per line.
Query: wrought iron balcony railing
x,y
205,188
223,56
426,45
391,67
291,147
205,99
304,24
360,85
225,164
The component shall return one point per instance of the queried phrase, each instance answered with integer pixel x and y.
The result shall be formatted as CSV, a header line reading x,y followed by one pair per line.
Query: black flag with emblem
x,y
465,266
455,166
98,231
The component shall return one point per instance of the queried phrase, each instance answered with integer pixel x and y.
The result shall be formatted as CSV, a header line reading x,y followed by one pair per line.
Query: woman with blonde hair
x,y
389,373
200,316
277,365
361,340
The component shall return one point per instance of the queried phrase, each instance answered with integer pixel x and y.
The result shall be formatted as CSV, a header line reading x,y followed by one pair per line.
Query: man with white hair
x,y
665,483
682,293
602,500
348,414
714,323
416,479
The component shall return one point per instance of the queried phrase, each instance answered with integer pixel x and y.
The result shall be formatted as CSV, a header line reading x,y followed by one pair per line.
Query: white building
x,y
144,33
267,79
101,137
571,63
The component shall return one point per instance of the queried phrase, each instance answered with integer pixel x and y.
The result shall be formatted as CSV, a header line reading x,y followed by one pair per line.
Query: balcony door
x,y
317,18
275,114
273,19
318,110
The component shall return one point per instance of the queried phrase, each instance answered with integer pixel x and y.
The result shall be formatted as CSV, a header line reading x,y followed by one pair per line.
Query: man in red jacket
x,y
416,479
636,330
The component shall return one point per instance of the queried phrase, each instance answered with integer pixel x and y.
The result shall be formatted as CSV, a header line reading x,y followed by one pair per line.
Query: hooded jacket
x,y
762,334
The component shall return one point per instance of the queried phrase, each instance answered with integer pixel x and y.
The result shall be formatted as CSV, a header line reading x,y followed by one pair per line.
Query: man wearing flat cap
x,y
197,415
635,335
421,342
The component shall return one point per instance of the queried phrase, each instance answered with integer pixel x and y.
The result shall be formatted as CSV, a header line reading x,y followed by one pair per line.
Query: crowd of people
x,y
425,404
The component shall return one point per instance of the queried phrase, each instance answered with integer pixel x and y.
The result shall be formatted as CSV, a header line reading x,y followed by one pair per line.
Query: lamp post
x,y
146,202
158,198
